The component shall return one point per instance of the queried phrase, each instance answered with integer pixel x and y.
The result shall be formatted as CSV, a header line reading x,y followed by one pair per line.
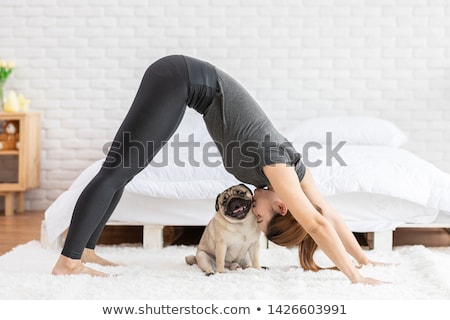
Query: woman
x,y
251,148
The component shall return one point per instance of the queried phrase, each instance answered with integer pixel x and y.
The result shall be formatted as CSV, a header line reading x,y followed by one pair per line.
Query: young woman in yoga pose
x,y
290,210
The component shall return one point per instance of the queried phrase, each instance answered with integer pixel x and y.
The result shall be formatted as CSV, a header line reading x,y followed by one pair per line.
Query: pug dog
x,y
231,238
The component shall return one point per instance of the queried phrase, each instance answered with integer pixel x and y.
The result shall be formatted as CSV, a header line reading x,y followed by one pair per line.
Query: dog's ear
x,y
217,202
246,187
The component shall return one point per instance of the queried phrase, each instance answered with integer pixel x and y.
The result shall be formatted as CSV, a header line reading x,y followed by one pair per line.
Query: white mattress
x,y
363,212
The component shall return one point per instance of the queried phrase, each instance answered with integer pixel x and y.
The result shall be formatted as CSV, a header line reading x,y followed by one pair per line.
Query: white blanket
x,y
387,171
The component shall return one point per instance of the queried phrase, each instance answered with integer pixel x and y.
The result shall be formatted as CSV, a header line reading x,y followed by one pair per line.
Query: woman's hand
x,y
371,281
376,263
373,263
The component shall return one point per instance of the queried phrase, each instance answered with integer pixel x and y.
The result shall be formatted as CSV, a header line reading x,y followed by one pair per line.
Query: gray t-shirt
x,y
245,137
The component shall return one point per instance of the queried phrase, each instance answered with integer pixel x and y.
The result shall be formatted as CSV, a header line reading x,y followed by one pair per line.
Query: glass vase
x,y
2,98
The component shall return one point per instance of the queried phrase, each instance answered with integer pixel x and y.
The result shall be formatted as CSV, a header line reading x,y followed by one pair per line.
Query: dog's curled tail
x,y
190,260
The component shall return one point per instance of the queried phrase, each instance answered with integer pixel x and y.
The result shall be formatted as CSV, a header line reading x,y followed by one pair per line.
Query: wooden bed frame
x,y
153,235
384,240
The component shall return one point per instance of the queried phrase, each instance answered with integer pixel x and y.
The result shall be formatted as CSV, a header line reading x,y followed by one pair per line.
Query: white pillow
x,y
355,130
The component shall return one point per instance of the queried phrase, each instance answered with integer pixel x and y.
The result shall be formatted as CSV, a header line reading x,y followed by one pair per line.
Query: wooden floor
x,y
24,227
18,229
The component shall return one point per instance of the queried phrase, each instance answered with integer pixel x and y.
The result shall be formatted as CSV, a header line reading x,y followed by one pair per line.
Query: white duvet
x,y
373,169
386,171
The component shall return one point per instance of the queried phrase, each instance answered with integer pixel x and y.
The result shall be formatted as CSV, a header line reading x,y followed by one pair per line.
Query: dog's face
x,y
235,202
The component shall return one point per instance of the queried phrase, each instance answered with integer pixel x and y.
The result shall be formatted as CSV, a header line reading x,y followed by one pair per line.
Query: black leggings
x,y
168,85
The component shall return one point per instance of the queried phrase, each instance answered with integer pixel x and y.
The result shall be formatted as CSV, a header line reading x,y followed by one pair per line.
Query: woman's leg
x,y
89,254
92,242
156,112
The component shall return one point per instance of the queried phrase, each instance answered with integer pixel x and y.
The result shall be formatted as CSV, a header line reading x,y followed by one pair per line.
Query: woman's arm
x,y
348,239
345,234
284,181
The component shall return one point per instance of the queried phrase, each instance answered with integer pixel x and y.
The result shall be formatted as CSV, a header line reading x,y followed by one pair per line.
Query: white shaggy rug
x,y
417,273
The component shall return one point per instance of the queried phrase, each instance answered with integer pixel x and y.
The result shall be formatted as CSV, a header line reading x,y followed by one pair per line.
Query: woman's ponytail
x,y
306,249
287,232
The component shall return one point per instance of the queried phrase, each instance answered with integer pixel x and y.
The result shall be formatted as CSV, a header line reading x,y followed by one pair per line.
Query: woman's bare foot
x,y
67,266
90,256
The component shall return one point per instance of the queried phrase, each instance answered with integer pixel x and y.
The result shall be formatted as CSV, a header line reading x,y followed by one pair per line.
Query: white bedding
x,y
374,174
387,171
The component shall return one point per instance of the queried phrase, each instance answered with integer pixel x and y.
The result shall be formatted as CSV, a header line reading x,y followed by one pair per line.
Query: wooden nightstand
x,y
20,168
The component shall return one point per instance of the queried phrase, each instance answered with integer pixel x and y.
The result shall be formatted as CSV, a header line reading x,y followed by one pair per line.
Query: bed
x,y
359,164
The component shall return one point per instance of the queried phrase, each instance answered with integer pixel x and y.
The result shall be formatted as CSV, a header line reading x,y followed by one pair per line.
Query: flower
x,y
5,69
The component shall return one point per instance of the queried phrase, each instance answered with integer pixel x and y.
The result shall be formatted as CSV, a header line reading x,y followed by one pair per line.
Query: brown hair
x,y
287,232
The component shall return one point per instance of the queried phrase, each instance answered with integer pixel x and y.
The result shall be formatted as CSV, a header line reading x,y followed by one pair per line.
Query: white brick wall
x,y
80,61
